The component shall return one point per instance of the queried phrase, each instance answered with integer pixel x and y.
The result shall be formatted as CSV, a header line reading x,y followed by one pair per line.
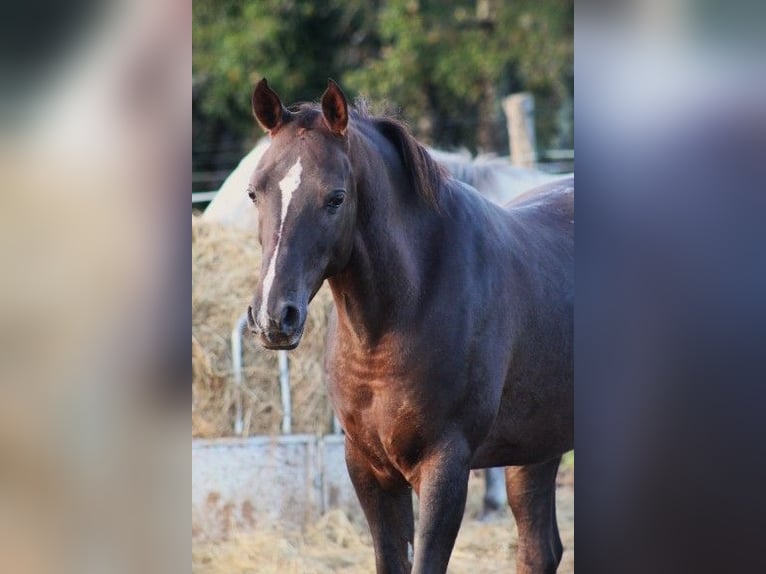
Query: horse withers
x,y
452,348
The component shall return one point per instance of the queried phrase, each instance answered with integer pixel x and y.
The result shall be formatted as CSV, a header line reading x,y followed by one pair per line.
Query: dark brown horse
x,y
453,343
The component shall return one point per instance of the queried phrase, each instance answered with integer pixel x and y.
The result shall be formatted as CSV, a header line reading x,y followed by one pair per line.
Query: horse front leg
x,y
532,498
388,512
442,487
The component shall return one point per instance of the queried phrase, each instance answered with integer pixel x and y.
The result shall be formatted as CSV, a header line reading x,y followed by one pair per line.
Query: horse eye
x,y
251,194
336,199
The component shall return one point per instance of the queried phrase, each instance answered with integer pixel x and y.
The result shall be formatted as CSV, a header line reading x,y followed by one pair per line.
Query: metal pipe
x,y
284,379
284,385
236,360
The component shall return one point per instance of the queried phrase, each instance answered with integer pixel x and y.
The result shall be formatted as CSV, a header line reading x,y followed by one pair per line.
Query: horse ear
x,y
268,108
335,108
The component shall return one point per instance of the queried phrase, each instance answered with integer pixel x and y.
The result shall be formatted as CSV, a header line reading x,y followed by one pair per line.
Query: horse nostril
x,y
290,318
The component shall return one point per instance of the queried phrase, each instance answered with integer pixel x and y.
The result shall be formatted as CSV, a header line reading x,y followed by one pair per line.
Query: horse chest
x,y
380,414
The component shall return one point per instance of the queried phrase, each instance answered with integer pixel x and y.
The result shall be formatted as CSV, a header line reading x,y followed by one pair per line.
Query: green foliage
x,y
296,44
446,64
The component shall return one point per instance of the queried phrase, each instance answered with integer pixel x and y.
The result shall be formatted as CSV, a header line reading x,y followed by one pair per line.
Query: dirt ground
x,y
339,543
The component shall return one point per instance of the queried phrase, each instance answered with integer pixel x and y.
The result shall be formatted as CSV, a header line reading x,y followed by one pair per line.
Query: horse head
x,y
305,193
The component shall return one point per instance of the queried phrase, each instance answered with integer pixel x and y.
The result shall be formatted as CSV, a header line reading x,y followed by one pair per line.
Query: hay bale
x,y
204,389
225,266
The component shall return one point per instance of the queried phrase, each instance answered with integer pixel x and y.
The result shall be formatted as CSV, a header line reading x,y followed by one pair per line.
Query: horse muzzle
x,y
281,333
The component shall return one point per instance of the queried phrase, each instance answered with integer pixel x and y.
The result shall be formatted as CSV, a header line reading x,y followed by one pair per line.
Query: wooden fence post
x,y
520,112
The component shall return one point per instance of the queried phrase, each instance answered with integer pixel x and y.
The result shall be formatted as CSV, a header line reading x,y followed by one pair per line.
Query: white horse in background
x,y
496,178
231,205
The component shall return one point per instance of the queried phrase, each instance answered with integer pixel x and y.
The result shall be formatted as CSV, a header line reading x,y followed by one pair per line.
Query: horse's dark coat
x,y
453,343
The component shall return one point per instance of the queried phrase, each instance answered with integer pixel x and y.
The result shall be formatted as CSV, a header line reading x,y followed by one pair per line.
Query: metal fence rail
x,y
203,196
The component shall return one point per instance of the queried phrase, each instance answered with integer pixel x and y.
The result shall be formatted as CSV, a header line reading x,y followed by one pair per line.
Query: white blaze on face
x,y
287,186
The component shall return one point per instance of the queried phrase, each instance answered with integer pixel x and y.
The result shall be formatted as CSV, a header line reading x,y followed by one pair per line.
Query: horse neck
x,y
382,285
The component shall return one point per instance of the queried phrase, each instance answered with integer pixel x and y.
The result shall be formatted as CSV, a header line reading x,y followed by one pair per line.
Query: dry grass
x,y
338,543
225,266
333,544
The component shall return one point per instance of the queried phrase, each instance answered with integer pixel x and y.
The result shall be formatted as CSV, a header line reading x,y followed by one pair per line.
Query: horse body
x,y
436,342
452,347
